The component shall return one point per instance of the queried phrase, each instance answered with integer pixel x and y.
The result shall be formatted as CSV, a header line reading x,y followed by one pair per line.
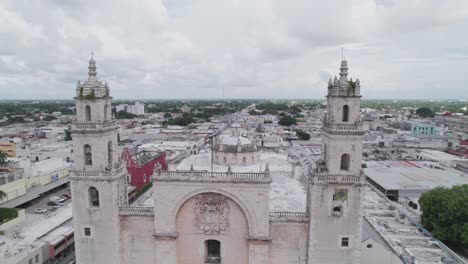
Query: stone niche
x,y
211,228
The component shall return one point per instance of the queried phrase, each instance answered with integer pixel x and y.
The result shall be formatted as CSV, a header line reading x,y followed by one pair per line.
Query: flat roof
x,y
413,175
33,233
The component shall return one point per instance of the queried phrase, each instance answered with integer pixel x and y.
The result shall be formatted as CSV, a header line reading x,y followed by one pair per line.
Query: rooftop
x,y
413,177
32,234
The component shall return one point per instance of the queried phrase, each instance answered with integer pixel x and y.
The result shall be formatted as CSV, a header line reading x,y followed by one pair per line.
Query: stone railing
x,y
338,178
289,216
211,176
92,126
343,127
83,173
130,210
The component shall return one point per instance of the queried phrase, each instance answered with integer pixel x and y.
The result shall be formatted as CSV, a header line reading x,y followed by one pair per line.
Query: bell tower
x,y
337,187
98,181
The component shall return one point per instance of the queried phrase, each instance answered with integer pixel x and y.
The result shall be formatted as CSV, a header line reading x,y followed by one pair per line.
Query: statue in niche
x,y
88,155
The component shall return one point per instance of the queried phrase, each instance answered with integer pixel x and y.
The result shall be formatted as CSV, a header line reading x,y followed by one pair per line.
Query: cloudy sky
x,y
401,49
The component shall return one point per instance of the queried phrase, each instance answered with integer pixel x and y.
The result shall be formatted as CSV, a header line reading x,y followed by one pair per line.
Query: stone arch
x,y
345,113
243,207
87,113
345,162
93,196
105,112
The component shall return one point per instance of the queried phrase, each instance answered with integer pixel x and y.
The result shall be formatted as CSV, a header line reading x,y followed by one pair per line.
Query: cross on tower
x,y
92,54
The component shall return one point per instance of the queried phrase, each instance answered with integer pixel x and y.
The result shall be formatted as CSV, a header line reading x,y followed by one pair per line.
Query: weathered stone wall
x,y
138,244
326,229
289,242
250,198
192,236
97,107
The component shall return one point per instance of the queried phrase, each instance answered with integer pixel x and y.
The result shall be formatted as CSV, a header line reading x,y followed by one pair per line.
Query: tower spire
x,y
92,68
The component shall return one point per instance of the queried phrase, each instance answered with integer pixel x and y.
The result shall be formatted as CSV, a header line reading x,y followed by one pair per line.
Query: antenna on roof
x,y
92,54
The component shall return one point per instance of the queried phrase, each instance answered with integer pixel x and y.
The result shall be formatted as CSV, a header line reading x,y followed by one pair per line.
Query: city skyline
x,y
250,49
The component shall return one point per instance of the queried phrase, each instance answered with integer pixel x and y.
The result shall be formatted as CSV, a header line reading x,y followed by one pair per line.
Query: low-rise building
x,y
136,109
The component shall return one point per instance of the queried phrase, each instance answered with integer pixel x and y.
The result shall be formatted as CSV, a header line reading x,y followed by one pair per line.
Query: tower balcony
x,y
340,179
355,129
116,172
88,126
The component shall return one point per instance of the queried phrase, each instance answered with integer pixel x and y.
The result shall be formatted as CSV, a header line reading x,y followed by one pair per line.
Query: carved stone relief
x,y
211,213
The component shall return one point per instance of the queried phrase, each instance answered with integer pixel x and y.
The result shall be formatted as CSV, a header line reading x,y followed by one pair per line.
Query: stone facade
x,y
235,150
98,181
213,217
337,188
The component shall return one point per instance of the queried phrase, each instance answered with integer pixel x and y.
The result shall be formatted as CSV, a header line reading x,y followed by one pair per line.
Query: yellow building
x,y
12,183
9,148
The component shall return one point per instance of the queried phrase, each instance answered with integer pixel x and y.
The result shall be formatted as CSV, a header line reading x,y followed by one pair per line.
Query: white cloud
x,y
252,49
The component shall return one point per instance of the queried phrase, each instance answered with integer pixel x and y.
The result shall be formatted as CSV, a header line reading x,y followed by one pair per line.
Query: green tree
x,y
124,115
287,121
67,135
445,214
425,112
3,158
49,118
301,134
2,195
167,115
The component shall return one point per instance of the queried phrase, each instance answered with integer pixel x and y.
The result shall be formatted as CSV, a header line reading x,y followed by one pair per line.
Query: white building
x,y
136,109
215,217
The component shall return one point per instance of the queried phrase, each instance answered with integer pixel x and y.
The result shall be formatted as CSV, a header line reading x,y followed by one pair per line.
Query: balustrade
x,y
131,210
338,178
92,126
212,176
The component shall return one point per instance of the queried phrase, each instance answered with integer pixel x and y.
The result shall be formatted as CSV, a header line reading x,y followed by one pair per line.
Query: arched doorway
x,y
211,227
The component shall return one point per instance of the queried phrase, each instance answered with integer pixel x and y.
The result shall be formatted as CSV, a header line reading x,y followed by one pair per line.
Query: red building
x,y
141,166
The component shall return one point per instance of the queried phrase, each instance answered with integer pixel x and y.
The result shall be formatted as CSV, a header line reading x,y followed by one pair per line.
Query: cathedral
x,y
211,216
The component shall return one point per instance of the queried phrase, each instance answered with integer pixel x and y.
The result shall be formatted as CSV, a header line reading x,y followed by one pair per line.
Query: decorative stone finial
x,y
191,167
229,169
267,168
344,70
92,67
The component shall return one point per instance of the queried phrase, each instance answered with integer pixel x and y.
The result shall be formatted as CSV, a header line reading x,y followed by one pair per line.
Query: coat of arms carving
x,y
211,213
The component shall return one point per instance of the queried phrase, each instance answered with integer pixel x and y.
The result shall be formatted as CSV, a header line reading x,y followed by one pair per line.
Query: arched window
x,y
37,158
93,197
87,113
105,112
109,153
224,159
244,160
345,113
88,156
344,162
212,251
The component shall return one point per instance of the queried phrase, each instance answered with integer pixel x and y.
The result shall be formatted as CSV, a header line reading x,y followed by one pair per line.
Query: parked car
x,y
66,195
62,199
52,203
53,208
61,204
40,211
